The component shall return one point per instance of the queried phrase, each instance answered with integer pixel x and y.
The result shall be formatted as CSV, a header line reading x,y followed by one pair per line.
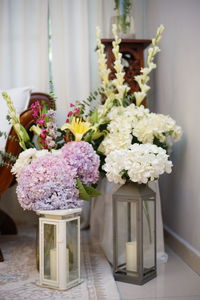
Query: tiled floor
x,y
175,281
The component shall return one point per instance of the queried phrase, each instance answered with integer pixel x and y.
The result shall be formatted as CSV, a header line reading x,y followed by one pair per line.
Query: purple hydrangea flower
x,y
82,157
48,183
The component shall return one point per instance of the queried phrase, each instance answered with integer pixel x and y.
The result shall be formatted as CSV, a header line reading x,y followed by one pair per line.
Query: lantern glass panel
x,y
50,252
72,249
148,235
126,237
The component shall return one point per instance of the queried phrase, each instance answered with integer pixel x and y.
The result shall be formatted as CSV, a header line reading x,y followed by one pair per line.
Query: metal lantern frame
x,y
60,219
126,195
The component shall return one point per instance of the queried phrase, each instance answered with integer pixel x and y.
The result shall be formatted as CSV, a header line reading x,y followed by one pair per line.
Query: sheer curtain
x,y
74,63
70,52
24,44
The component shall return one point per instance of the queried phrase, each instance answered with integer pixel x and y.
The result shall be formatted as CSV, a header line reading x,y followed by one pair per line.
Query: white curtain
x,y
24,44
70,52
74,62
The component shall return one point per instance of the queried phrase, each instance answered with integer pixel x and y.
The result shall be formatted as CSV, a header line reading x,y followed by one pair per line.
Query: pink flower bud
x,y
70,114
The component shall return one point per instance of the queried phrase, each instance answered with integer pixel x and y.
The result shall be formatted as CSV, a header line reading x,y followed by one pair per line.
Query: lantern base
x,y
135,279
43,285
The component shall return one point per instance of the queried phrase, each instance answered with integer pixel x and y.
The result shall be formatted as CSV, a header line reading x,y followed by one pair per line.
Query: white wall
x,y
177,93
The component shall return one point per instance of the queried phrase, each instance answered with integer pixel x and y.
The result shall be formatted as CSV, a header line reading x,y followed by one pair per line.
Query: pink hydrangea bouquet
x,y
57,180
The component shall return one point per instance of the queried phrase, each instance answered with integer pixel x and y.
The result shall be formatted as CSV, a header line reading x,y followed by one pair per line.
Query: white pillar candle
x,y
131,256
53,264
53,258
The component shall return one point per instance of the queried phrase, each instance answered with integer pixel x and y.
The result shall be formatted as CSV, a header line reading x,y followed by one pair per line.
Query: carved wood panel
x,y
132,59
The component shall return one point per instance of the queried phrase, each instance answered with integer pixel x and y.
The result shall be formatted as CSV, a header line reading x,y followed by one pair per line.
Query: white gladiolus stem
x,y
144,78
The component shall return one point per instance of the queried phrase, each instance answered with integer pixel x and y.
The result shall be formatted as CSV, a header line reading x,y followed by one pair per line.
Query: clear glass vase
x,y
124,18
125,26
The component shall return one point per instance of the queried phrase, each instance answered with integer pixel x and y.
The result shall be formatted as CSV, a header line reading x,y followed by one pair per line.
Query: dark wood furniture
x,y
7,225
132,58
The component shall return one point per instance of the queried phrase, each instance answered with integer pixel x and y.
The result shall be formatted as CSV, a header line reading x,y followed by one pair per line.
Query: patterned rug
x,y
18,274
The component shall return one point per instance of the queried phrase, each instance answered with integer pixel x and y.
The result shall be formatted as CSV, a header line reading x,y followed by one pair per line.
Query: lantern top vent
x,y
136,190
59,213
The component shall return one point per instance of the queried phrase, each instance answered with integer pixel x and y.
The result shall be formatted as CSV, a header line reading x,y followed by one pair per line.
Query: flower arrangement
x,y
135,150
43,169
51,180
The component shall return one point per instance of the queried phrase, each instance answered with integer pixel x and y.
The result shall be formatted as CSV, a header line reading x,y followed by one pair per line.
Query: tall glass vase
x,y
124,19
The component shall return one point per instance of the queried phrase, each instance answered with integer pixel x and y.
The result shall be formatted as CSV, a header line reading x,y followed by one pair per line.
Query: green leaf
x,y
82,192
95,117
91,191
96,135
86,192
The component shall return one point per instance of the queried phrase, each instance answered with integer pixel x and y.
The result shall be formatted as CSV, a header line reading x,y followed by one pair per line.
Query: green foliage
x,y
92,102
128,99
92,192
86,192
159,144
125,5
8,118
6,159
3,134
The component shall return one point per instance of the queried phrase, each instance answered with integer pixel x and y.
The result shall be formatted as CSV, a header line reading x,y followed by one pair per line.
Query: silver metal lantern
x,y
59,248
134,233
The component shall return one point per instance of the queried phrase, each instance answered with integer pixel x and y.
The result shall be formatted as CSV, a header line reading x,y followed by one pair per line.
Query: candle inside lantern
x,y
131,256
149,260
53,264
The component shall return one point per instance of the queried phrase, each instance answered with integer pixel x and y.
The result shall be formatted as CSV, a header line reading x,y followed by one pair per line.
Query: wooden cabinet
x,y
132,58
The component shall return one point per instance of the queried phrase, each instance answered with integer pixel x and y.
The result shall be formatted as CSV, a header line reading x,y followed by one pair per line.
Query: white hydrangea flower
x,y
156,126
142,162
56,152
137,121
122,120
114,166
40,153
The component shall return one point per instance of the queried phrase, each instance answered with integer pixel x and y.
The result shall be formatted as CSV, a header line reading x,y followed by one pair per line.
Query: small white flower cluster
x,y
136,121
141,163
26,157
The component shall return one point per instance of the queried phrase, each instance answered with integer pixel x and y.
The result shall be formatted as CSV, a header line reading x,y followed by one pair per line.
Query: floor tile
x,y
175,281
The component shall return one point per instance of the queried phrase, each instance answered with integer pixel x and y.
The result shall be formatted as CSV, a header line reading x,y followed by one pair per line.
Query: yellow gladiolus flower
x,y
78,128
